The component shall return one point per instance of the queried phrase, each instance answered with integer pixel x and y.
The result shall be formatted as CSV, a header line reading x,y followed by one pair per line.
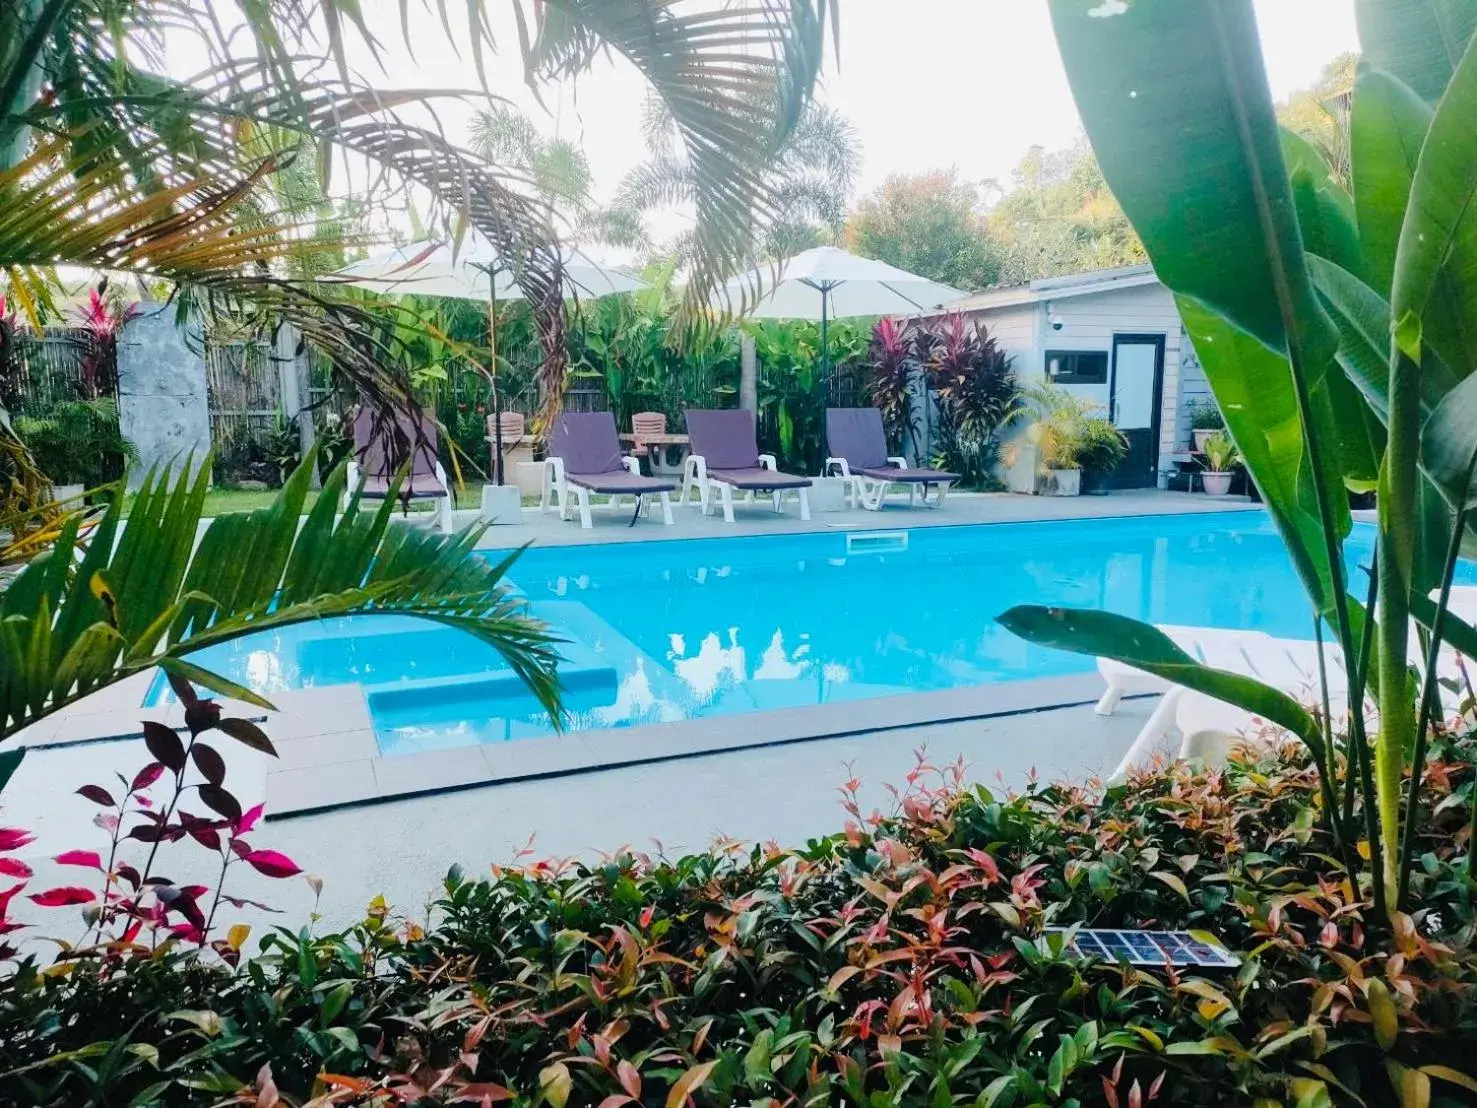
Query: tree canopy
x,y
929,224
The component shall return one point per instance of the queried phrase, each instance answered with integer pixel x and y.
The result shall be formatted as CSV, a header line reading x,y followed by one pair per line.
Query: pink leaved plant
x,y
136,909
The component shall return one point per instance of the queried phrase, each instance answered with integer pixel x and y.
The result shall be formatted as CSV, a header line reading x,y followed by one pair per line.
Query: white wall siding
x,y
1089,322
1015,330
1193,385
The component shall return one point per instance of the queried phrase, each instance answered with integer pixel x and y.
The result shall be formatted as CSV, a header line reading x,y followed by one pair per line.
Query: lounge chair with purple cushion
x,y
585,457
857,445
381,442
725,459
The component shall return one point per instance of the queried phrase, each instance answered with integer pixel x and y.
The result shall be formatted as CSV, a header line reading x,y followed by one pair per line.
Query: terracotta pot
x,y
1217,484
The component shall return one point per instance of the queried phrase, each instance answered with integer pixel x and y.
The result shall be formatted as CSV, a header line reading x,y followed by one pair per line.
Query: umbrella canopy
x,y
436,269
478,272
828,283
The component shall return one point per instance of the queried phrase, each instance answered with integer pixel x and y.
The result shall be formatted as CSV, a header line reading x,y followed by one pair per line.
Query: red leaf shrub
x,y
13,838
147,776
904,962
272,863
136,906
87,858
98,795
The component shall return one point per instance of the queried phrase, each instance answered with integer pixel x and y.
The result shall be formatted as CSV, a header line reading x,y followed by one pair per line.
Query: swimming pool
x,y
688,629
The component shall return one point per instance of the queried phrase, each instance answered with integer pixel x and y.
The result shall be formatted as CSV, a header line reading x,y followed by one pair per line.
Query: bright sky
x,y
971,83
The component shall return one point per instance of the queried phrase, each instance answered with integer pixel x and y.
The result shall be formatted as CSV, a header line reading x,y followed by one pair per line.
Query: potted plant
x,y
1221,459
1056,433
1205,420
1101,448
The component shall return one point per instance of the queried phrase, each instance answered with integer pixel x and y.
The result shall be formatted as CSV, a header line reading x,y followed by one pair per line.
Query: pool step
x,y
876,542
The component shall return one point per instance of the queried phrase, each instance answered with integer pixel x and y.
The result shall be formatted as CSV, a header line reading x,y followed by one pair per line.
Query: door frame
x,y
1156,414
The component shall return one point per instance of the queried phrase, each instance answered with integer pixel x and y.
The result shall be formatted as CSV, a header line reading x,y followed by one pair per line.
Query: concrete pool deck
x,y
393,824
959,509
785,794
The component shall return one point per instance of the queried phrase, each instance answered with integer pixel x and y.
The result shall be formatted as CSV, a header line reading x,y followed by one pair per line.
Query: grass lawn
x,y
224,501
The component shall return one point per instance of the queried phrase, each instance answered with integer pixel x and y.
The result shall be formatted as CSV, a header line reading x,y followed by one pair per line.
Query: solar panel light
x,y
1140,948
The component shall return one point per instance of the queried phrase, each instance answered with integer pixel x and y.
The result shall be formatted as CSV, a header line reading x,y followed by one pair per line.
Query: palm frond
x,y
735,79
95,609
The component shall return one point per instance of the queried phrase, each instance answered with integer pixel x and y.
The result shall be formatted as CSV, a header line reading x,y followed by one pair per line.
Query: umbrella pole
x,y
825,345
497,407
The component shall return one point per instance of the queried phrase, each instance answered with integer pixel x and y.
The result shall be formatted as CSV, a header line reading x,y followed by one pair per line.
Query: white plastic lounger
x,y
1209,727
725,460
1287,664
1210,645
585,460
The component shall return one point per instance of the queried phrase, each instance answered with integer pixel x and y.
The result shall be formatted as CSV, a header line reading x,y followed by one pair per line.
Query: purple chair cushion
x,y
377,488
759,479
623,482
907,476
723,438
857,435
381,442
587,442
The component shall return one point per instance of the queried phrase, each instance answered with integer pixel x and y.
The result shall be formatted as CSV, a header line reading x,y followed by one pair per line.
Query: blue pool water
x,y
667,630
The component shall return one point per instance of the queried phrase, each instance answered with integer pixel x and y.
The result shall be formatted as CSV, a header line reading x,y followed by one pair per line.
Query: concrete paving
x,y
958,509
402,848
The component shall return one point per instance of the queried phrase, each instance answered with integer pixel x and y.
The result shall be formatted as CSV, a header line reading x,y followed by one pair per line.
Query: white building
x,y
1113,335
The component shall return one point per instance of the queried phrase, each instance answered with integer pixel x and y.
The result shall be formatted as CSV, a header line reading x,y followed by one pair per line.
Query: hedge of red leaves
x,y
891,964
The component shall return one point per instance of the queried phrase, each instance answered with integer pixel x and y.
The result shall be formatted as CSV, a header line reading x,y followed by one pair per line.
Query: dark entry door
x,y
1136,390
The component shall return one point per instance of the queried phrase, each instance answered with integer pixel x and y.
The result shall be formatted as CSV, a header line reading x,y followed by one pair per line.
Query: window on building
x,y
1077,367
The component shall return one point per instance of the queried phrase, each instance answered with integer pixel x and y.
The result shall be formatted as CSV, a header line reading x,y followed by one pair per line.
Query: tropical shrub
x,y
1059,427
976,394
1101,447
105,601
893,356
77,442
631,347
1204,415
795,390
899,962
1220,453
1334,327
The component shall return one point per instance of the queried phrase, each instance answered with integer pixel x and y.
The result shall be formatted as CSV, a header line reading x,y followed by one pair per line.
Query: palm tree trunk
x,y
748,373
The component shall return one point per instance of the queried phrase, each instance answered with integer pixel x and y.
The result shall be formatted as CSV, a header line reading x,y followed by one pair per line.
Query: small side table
x,y
657,451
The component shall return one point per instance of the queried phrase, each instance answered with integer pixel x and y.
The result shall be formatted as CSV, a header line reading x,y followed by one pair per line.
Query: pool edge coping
x,y
577,753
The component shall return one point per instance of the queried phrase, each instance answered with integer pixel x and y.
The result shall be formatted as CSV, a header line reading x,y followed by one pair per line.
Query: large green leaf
x,y
1325,210
1386,130
1106,635
1449,445
1435,278
96,609
1363,319
10,761
1419,41
1326,219
1175,100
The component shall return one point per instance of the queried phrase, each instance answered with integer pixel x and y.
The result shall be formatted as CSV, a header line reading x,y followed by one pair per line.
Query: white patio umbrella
x,y
828,283
439,269
477,272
